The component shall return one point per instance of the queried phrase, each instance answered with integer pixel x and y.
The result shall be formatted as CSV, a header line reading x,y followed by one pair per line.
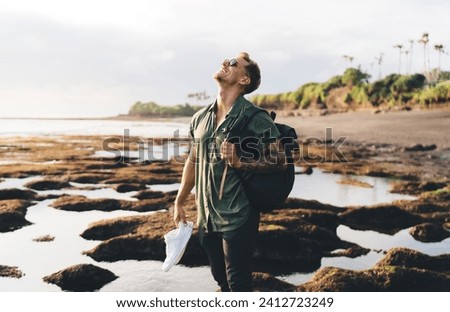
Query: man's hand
x,y
179,214
229,154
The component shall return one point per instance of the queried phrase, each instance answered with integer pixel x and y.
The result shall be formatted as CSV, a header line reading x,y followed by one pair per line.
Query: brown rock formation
x,y
9,271
429,232
81,277
12,214
400,270
48,184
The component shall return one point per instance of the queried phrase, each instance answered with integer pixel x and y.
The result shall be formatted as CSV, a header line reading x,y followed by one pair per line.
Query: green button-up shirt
x,y
230,212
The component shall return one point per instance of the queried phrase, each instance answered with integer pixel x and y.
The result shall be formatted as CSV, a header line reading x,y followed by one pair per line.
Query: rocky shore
x,y
293,238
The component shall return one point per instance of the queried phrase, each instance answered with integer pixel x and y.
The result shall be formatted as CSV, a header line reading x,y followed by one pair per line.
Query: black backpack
x,y
265,191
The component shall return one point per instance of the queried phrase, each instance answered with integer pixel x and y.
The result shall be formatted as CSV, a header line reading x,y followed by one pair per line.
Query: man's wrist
x,y
177,203
237,164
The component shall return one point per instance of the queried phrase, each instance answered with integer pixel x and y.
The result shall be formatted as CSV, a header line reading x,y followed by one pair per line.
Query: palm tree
x,y
399,47
379,61
348,58
199,96
406,62
411,44
440,49
424,40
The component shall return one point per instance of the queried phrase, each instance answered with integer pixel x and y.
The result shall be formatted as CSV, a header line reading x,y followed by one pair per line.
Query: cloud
x,y
114,54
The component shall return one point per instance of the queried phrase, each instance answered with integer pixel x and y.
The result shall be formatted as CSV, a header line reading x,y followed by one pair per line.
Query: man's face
x,y
232,70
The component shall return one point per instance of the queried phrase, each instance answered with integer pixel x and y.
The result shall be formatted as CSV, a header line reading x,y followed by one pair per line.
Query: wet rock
x,y
382,218
309,204
129,187
292,240
10,271
420,148
44,238
351,252
416,187
12,214
153,204
17,194
337,279
431,206
322,218
48,184
133,246
149,194
106,229
162,170
142,174
427,186
355,182
379,173
81,277
282,252
265,282
388,278
405,257
106,164
91,178
148,180
429,232
81,203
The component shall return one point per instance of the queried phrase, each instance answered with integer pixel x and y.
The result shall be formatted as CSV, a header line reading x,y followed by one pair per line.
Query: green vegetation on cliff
x,y
352,90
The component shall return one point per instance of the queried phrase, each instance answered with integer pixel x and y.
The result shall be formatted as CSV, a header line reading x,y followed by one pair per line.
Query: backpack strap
x,y
238,128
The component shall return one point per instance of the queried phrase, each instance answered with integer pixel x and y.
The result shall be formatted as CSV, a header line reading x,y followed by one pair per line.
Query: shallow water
x,y
323,187
18,247
54,127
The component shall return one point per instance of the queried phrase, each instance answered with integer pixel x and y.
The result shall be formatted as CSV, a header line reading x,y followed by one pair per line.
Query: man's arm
x,y
187,184
273,158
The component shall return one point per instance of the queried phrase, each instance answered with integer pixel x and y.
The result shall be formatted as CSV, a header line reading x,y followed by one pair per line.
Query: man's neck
x,y
225,99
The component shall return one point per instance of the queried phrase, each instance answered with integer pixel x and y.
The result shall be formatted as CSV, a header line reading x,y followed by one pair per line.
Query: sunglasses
x,y
232,62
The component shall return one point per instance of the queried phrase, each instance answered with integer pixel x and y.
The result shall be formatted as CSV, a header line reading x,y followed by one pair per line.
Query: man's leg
x,y
238,248
212,244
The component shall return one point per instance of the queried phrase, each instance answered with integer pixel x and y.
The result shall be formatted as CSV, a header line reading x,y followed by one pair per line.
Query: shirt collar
x,y
235,108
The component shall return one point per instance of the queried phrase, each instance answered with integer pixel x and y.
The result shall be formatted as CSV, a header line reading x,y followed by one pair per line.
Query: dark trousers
x,y
230,255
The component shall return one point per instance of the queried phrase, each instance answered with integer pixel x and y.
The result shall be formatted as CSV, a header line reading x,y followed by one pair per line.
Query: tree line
x,y
151,109
356,90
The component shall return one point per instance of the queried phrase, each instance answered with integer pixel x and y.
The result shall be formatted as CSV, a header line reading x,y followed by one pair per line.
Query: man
x,y
227,222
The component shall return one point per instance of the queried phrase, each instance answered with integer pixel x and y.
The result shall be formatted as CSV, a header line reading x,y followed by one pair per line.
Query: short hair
x,y
252,70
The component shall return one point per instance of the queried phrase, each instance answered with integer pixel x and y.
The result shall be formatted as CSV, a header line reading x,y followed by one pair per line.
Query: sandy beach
x,y
403,128
418,126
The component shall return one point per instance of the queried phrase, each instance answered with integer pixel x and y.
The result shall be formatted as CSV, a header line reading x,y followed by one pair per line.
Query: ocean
x,y
56,127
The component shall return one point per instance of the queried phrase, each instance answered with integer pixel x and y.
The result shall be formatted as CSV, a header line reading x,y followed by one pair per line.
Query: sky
x,y
94,58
